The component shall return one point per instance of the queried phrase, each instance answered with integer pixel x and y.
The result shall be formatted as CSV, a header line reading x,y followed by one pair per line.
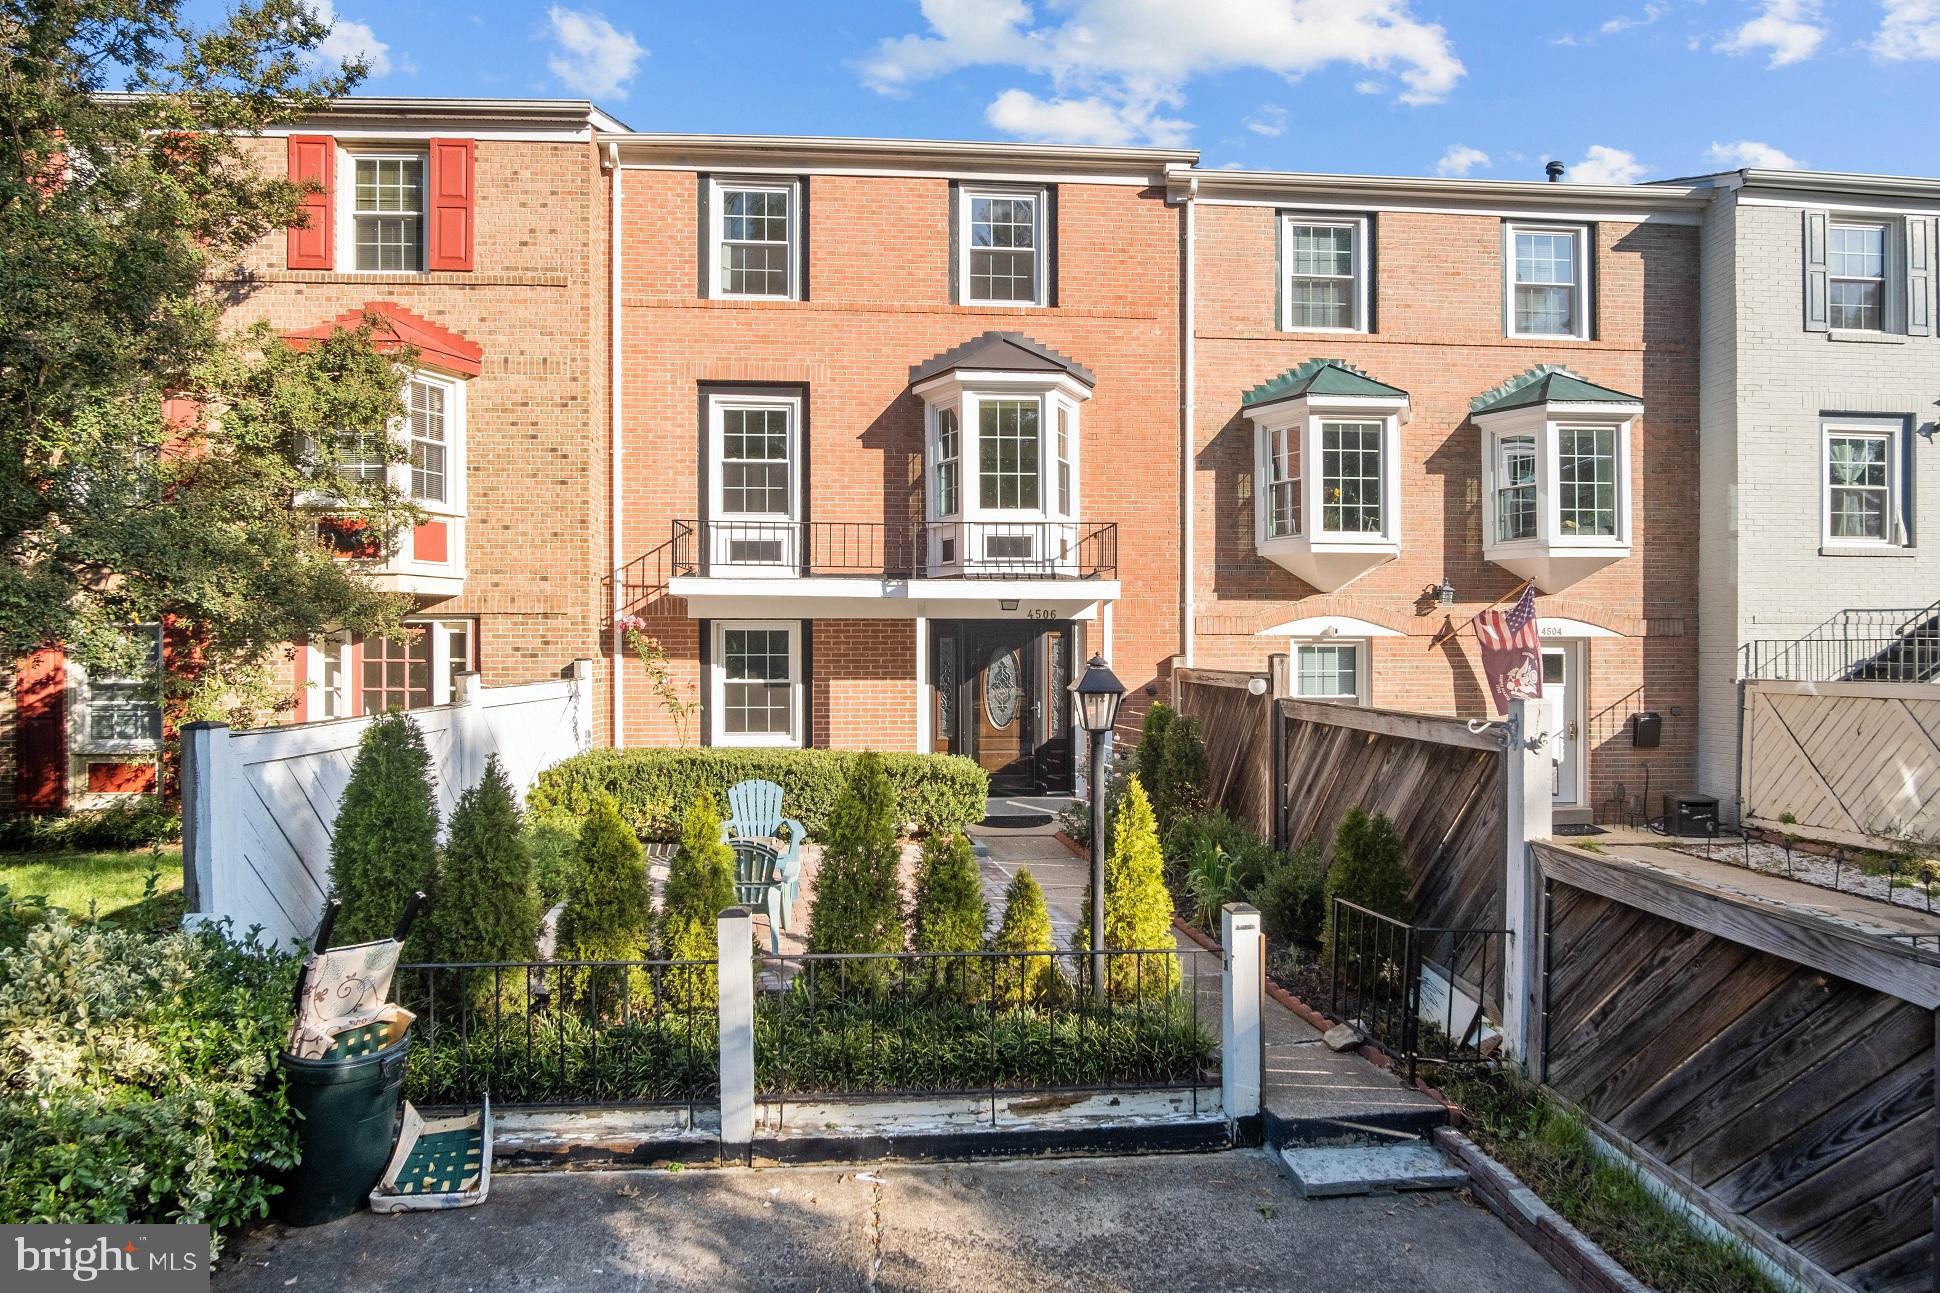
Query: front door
x,y
999,689
1562,676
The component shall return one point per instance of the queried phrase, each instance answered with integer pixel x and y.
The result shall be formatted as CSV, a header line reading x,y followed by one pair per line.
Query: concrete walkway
x,y
1311,1094
1193,1221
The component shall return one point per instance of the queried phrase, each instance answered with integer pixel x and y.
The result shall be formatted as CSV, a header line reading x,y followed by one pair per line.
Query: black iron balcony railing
x,y
1896,645
917,550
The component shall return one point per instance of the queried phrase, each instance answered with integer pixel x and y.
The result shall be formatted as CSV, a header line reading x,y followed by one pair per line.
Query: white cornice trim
x,y
1328,626
829,155
1455,196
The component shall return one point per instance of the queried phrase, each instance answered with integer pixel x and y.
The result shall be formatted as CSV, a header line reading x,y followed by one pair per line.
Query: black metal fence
x,y
918,549
1899,644
550,1033
1421,993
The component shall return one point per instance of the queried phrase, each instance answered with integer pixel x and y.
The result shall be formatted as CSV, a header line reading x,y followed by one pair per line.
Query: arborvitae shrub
x,y
609,910
552,841
484,908
949,915
1183,772
1367,869
1138,909
1148,763
384,844
858,892
1289,898
1026,927
700,885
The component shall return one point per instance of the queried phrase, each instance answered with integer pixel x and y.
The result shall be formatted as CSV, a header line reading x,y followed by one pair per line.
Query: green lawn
x,y
116,884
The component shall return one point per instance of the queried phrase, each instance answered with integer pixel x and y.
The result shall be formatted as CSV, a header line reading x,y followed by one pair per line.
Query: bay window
x,y
1515,488
1007,473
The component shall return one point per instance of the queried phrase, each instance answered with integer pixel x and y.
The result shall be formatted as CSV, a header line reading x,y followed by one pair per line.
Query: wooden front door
x,y
998,687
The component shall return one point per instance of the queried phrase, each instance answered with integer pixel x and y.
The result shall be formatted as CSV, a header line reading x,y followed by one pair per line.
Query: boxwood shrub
x,y
933,792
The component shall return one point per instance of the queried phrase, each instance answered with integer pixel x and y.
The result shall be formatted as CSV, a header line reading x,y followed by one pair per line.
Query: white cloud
x,y
1460,159
1750,153
1270,120
1624,22
1088,120
1792,30
1910,30
1605,165
350,41
591,55
1118,64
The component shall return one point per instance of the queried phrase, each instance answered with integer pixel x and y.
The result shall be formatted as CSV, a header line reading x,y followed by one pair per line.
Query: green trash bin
x,y
349,1111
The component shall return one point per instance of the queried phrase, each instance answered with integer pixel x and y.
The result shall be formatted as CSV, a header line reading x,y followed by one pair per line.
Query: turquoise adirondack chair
x,y
758,884
754,813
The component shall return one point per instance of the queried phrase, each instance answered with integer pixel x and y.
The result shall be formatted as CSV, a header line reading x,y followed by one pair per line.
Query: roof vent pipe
x,y
1554,170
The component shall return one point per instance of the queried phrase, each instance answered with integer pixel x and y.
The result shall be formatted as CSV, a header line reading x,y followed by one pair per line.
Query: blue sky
x,y
1617,89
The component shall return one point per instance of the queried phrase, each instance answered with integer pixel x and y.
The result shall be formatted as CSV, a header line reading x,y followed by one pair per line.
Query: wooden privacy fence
x,y
258,806
1440,783
1852,762
1778,1069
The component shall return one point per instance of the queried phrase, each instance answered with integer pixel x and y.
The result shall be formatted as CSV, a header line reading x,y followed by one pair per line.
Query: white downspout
x,y
1189,545
615,407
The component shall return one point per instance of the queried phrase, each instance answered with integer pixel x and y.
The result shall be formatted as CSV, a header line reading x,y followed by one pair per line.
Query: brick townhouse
x,y
476,231
897,438
1410,396
1818,414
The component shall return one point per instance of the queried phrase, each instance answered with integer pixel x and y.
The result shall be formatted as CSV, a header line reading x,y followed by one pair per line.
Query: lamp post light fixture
x,y
1098,693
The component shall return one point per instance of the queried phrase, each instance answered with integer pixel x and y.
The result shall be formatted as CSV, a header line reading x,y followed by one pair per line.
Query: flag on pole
x,y
1512,653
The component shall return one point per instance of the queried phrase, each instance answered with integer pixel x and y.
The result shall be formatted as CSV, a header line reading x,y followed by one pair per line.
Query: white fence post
x,y
1240,988
208,811
1528,781
734,932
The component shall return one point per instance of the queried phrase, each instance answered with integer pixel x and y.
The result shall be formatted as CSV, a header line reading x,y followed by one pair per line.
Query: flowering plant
x,y
653,659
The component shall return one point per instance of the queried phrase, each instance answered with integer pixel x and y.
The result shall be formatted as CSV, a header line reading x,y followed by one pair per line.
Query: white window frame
x,y
717,687
1039,197
934,474
1306,421
1499,457
80,684
724,530
346,203
346,699
1281,447
1584,267
397,475
1891,431
323,654
1362,288
1892,239
1362,671
718,188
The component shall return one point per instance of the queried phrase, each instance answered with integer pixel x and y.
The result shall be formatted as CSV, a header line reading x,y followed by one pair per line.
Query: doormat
x,y
1579,829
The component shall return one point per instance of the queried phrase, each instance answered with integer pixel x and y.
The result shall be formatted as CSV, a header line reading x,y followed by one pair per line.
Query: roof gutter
x,y
1189,311
616,405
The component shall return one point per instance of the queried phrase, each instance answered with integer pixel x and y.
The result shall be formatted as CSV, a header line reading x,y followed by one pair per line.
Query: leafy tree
x,y
1026,927
1366,869
858,890
609,909
700,885
484,908
1138,908
384,844
148,456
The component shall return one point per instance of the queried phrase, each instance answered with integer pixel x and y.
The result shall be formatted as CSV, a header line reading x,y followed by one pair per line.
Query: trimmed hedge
x,y
935,792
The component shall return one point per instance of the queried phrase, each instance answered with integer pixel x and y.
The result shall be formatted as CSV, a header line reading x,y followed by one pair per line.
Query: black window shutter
x,y
1371,270
1050,244
956,235
701,195
1595,283
808,683
801,236
707,686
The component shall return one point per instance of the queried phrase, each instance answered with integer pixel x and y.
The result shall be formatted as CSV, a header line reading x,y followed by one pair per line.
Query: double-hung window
x,y
1009,446
1856,275
1515,488
1282,482
755,483
1327,671
756,683
1325,286
425,401
1002,232
1548,280
387,211
1586,480
949,463
1861,473
756,239
1351,477
1064,460
121,712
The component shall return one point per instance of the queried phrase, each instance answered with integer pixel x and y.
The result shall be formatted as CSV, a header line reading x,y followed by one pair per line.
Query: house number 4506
x,y
1040,613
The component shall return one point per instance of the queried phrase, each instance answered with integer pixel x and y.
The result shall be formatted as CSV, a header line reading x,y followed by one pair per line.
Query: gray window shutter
x,y
700,236
1815,272
1919,276
956,288
1279,271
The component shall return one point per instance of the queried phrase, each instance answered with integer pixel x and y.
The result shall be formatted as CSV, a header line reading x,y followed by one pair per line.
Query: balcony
x,y
864,569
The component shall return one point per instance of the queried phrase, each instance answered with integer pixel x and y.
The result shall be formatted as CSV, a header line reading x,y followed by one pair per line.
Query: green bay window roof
x,y
1546,384
1319,377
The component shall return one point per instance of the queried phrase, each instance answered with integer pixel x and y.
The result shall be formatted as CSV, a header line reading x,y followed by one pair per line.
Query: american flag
x,y
1512,653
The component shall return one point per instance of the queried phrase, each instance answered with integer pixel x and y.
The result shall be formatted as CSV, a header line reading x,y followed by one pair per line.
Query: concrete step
x,y
1334,1171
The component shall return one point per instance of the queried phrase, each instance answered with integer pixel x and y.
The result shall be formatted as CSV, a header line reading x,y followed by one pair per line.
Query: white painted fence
x,y
258,805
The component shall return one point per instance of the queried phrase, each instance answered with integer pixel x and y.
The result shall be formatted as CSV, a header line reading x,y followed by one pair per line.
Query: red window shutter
x,y
40,732
314,158
449,242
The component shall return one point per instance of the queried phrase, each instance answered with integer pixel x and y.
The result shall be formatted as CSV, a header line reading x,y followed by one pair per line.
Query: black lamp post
x,y
1098,693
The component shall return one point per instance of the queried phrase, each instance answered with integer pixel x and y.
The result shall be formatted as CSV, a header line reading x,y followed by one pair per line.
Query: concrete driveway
x,y
1203,1221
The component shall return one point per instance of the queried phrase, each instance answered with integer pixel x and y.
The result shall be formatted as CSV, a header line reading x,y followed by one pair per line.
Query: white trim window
x,y
1002,236
385,201
1556,489
1330,669
427,425
755,681
119,713
1010,444
755,239
1860,471
413,671
1324,284
948,457
1515,488
1327,500
1353,472
1547,280
1280,491
1587,480
1857,259
754,479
